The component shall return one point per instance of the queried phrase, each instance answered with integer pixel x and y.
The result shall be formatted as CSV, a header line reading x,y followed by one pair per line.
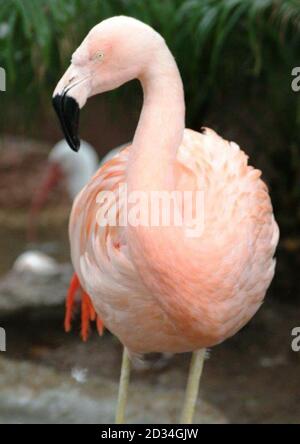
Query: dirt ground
x,y
251,378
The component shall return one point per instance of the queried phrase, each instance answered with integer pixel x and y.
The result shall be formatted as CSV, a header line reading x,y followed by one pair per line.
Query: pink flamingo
x,y
154,287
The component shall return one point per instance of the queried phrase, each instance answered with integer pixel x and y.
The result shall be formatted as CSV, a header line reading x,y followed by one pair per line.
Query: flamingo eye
x,y
98,56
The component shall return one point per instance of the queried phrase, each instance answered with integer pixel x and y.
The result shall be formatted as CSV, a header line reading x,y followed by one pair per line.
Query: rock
x,y
36,280
33,394
36,262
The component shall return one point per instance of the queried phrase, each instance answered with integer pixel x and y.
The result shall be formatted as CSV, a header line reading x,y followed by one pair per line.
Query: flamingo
x,y
64,165
156,288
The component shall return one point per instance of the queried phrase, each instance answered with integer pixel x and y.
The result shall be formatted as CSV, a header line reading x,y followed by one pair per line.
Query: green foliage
x,y
224,48
249,37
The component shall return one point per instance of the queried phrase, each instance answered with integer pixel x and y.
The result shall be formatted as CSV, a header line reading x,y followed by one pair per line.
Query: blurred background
x,y
236,58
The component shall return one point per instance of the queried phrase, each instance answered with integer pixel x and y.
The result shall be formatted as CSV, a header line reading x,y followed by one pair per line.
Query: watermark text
x,y
296,81
152,209
2,340
2,79
296,341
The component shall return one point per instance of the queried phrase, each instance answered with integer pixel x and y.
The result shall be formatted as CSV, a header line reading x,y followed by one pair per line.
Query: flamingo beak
x,y
67,110
70,95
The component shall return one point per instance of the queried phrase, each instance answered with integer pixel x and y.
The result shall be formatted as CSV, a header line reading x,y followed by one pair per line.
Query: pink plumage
x,y
193,296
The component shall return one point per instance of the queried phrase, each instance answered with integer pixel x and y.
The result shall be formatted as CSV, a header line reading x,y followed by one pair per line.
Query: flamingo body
x,y
211,292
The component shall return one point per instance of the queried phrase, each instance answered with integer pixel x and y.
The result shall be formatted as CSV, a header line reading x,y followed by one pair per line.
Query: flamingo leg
x,y
123,388
192,387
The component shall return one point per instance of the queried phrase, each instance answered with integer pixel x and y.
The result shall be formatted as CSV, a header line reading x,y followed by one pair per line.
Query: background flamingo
x,y
156,289
65,166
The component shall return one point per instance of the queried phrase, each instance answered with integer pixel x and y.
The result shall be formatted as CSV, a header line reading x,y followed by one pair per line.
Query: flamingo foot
x,y
88,312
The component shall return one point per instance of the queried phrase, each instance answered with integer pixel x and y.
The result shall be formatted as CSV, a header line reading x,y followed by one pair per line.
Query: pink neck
x,y
160,128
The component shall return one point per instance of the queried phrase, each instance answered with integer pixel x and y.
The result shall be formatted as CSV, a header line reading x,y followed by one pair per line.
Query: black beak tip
x,y
67,110
74,145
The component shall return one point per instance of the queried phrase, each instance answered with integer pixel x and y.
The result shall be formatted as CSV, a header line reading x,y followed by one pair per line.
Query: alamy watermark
x,y
152,209
2,340
296,341
2,79
296,81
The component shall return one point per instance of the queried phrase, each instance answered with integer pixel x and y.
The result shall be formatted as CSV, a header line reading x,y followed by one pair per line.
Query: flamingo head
x,y
114,52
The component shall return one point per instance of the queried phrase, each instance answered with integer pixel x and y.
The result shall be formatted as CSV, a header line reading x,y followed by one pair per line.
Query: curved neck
x,y
160,128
